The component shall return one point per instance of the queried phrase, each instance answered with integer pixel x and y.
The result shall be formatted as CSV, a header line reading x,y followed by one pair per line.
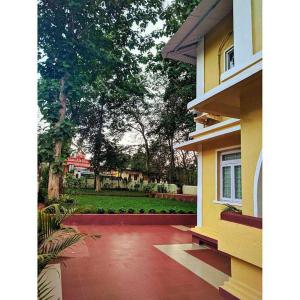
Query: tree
x,y
173,120
77,41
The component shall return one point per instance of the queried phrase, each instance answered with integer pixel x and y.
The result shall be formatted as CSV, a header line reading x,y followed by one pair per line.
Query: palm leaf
x,y
44,288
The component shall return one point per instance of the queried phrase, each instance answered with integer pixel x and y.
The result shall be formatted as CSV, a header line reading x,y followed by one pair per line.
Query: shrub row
x,y
132,211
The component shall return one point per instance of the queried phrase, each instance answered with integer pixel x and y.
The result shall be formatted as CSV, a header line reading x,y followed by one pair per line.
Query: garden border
x,y
131,219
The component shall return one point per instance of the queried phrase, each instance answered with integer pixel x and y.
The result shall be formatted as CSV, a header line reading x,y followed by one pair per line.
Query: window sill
x,y
223,202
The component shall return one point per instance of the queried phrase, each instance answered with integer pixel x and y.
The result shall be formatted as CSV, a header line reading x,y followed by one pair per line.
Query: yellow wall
x,y
211,211
257,25
251,142
212,43
245,281
249,250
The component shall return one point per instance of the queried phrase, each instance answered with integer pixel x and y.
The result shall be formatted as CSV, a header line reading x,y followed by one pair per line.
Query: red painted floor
x,y
123,264
213,258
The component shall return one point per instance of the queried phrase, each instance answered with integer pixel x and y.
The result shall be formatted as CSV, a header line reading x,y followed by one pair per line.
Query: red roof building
x,y
77,162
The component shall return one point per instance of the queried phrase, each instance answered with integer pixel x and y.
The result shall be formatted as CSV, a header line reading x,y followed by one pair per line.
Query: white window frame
x,y
226,61
232,164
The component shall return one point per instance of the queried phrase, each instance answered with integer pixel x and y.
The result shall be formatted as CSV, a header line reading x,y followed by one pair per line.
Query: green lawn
x,y
91,203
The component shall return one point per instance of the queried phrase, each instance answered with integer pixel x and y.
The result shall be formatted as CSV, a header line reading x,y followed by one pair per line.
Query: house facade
x,y
78,164
223,39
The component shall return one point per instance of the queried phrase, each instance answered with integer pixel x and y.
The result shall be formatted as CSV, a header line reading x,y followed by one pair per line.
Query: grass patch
x,y
91,204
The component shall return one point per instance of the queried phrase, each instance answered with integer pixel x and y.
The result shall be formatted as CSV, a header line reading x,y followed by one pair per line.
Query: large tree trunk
x,y
98,185
54,176
172,162
147,153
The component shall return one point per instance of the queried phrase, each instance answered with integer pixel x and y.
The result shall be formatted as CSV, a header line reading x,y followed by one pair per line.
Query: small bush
x,y
42,195
141,211
150,187
172,211
66,199
70,201
101,210
122,210
86,211
136,187
152,211
130,210
106,186
161,188
181,211
163,211
191,212
111,211
231,208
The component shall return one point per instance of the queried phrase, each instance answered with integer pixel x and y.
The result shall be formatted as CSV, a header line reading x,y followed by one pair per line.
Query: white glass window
x,y
230,176
229,58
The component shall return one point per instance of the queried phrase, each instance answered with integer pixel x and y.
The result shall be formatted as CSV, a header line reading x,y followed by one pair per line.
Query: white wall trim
x,y
236,69
226,84
200,69
200,73
199,188
255,184
216,168
215,126
208,136
242,28
222,202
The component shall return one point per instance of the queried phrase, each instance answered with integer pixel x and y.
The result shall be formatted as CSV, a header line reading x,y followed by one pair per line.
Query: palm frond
x,y
44,288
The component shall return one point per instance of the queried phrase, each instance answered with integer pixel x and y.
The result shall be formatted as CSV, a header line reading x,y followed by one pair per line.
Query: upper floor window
x,y
231,176
229,59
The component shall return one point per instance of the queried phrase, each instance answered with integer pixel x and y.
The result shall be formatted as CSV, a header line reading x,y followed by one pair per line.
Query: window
x,y
229,59
230,176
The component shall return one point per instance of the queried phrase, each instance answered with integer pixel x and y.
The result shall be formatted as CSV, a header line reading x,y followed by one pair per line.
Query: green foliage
x,y
152,211
73,184
141,211
122,210
231,208
106,201
53,238
136,187
101,211
150,187
161,188
172,211
111,211
42,195
67,199
130,211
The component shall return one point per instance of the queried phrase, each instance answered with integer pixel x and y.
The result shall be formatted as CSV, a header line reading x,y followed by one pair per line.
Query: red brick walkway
x,y
123,264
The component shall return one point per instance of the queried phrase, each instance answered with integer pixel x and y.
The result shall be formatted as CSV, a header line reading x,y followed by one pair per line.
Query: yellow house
x,y
223,39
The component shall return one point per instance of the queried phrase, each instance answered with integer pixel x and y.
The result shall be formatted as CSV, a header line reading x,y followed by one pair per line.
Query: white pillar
x,y
199,92
199,187
200,74
200,69
242,30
